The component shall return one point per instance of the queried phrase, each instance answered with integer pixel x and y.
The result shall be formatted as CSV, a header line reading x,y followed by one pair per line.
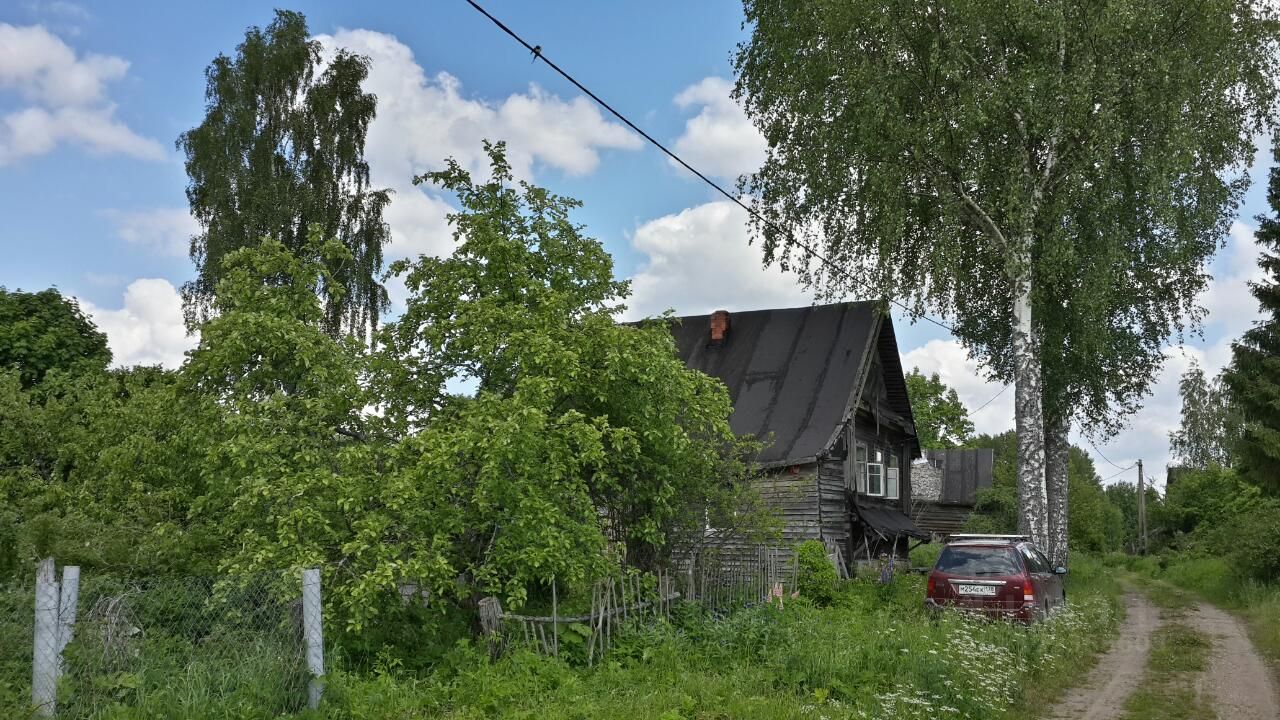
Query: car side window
x,y
1033,562
1048,566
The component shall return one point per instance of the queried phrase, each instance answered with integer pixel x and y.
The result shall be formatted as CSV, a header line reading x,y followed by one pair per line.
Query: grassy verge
x,y
1178,654
874,652
1212,579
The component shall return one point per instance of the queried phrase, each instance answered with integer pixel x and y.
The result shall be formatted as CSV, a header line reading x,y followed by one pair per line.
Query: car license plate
x,y
987,590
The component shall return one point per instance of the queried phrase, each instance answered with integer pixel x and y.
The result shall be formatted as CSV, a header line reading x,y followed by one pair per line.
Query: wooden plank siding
x,y
794,494
833,504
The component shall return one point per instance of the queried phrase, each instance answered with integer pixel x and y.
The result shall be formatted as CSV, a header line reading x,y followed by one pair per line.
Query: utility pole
x,y
1142,509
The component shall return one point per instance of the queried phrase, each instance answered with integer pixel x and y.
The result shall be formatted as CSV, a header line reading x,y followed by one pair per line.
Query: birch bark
x,y
1056,449
1028,416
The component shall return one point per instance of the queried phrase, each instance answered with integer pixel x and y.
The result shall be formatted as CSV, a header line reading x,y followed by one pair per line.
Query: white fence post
x,y
44,665
313,633
68,598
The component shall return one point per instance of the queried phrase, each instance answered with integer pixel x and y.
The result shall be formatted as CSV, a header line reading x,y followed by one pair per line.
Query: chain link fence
x,y
171,646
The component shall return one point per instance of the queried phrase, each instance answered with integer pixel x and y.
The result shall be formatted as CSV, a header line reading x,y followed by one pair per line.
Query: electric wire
x,y
536,50
1118,474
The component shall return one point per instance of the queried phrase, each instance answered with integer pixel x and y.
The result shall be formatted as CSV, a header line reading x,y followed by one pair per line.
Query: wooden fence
x,y
614,602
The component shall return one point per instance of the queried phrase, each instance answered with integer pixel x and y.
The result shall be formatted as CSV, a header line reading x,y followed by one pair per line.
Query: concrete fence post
x,y
313,634
44,664
68,598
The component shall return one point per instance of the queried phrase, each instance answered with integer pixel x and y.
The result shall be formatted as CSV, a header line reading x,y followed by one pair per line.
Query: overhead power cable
x,y
971,413
536,51
1104,457
1118,474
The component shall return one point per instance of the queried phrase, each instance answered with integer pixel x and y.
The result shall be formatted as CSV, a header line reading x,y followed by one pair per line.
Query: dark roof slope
x,y
789,372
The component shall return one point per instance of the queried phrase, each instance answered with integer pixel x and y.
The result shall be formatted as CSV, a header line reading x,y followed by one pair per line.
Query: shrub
x,y
817,578
1255,551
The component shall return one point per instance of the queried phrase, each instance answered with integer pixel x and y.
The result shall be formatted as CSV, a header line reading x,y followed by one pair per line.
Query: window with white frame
x,y
875,474
891,484
860,467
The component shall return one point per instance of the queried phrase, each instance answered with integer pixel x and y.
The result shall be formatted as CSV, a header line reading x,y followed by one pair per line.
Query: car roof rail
x,y
986,536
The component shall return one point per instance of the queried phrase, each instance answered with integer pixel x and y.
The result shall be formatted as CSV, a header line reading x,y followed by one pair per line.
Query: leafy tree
x,y
1210,425
993,162
45,331
281,148
586,442
1254,376
941,419
524,308
101,470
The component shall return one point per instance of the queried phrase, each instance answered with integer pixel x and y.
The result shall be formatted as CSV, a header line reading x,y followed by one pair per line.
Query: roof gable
x,y
791,373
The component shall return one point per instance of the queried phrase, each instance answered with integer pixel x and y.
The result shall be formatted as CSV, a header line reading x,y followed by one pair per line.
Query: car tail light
x,y
1028,592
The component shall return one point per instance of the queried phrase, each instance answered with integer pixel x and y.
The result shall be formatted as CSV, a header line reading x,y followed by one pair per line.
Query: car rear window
x,y
977,561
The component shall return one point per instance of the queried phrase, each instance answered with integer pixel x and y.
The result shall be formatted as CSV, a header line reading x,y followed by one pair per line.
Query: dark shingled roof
x,y
789,372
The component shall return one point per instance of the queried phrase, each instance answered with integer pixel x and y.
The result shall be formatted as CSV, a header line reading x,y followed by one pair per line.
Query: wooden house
x,y
823,387
946,487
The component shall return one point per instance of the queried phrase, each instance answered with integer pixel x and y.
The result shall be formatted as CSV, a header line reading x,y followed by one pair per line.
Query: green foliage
x,y
101,470
1095,525
278,445
575,416
281,149
46,331
1202,500
941,419
817,579
1254,375
875,652
946,153
1124,498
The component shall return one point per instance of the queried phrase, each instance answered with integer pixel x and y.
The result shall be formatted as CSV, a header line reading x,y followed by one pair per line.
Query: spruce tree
x,y
1254,375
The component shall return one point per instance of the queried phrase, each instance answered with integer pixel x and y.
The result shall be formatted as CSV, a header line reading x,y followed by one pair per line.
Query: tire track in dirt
x,y
1119,672
1237,679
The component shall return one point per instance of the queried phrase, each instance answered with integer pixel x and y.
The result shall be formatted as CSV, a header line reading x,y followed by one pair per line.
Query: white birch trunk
x,y
1028,416
1057,456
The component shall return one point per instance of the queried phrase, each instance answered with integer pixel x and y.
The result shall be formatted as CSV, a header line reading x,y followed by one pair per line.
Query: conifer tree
x,y
1254,376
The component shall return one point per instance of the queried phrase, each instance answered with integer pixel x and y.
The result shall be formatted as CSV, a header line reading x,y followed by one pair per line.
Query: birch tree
x,y
964,157
280,149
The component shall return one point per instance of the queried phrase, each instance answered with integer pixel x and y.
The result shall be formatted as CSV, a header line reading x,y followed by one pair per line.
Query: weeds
x,y
873,652
1167,693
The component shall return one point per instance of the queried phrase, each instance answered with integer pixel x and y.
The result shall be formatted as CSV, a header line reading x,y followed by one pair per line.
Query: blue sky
x,y
93,95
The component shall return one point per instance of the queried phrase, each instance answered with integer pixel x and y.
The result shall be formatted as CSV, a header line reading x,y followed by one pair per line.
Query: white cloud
x,y
720,139
166,231
148,328
424,119
951,361
65,96
700,260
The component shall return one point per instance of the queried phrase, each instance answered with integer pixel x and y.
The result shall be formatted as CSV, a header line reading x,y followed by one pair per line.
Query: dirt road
x,y
1236,684
1237,680
1119,672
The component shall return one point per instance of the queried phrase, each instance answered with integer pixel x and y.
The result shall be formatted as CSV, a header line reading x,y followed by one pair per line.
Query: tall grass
x,y
873,652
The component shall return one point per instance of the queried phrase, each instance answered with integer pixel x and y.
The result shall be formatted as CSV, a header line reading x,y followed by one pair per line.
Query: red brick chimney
x,y
719,326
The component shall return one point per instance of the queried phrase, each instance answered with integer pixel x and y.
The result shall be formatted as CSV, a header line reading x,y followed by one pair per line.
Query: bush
x,y
817,578
1255,547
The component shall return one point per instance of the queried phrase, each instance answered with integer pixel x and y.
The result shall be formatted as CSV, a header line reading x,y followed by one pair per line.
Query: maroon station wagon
x,y
1002,576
